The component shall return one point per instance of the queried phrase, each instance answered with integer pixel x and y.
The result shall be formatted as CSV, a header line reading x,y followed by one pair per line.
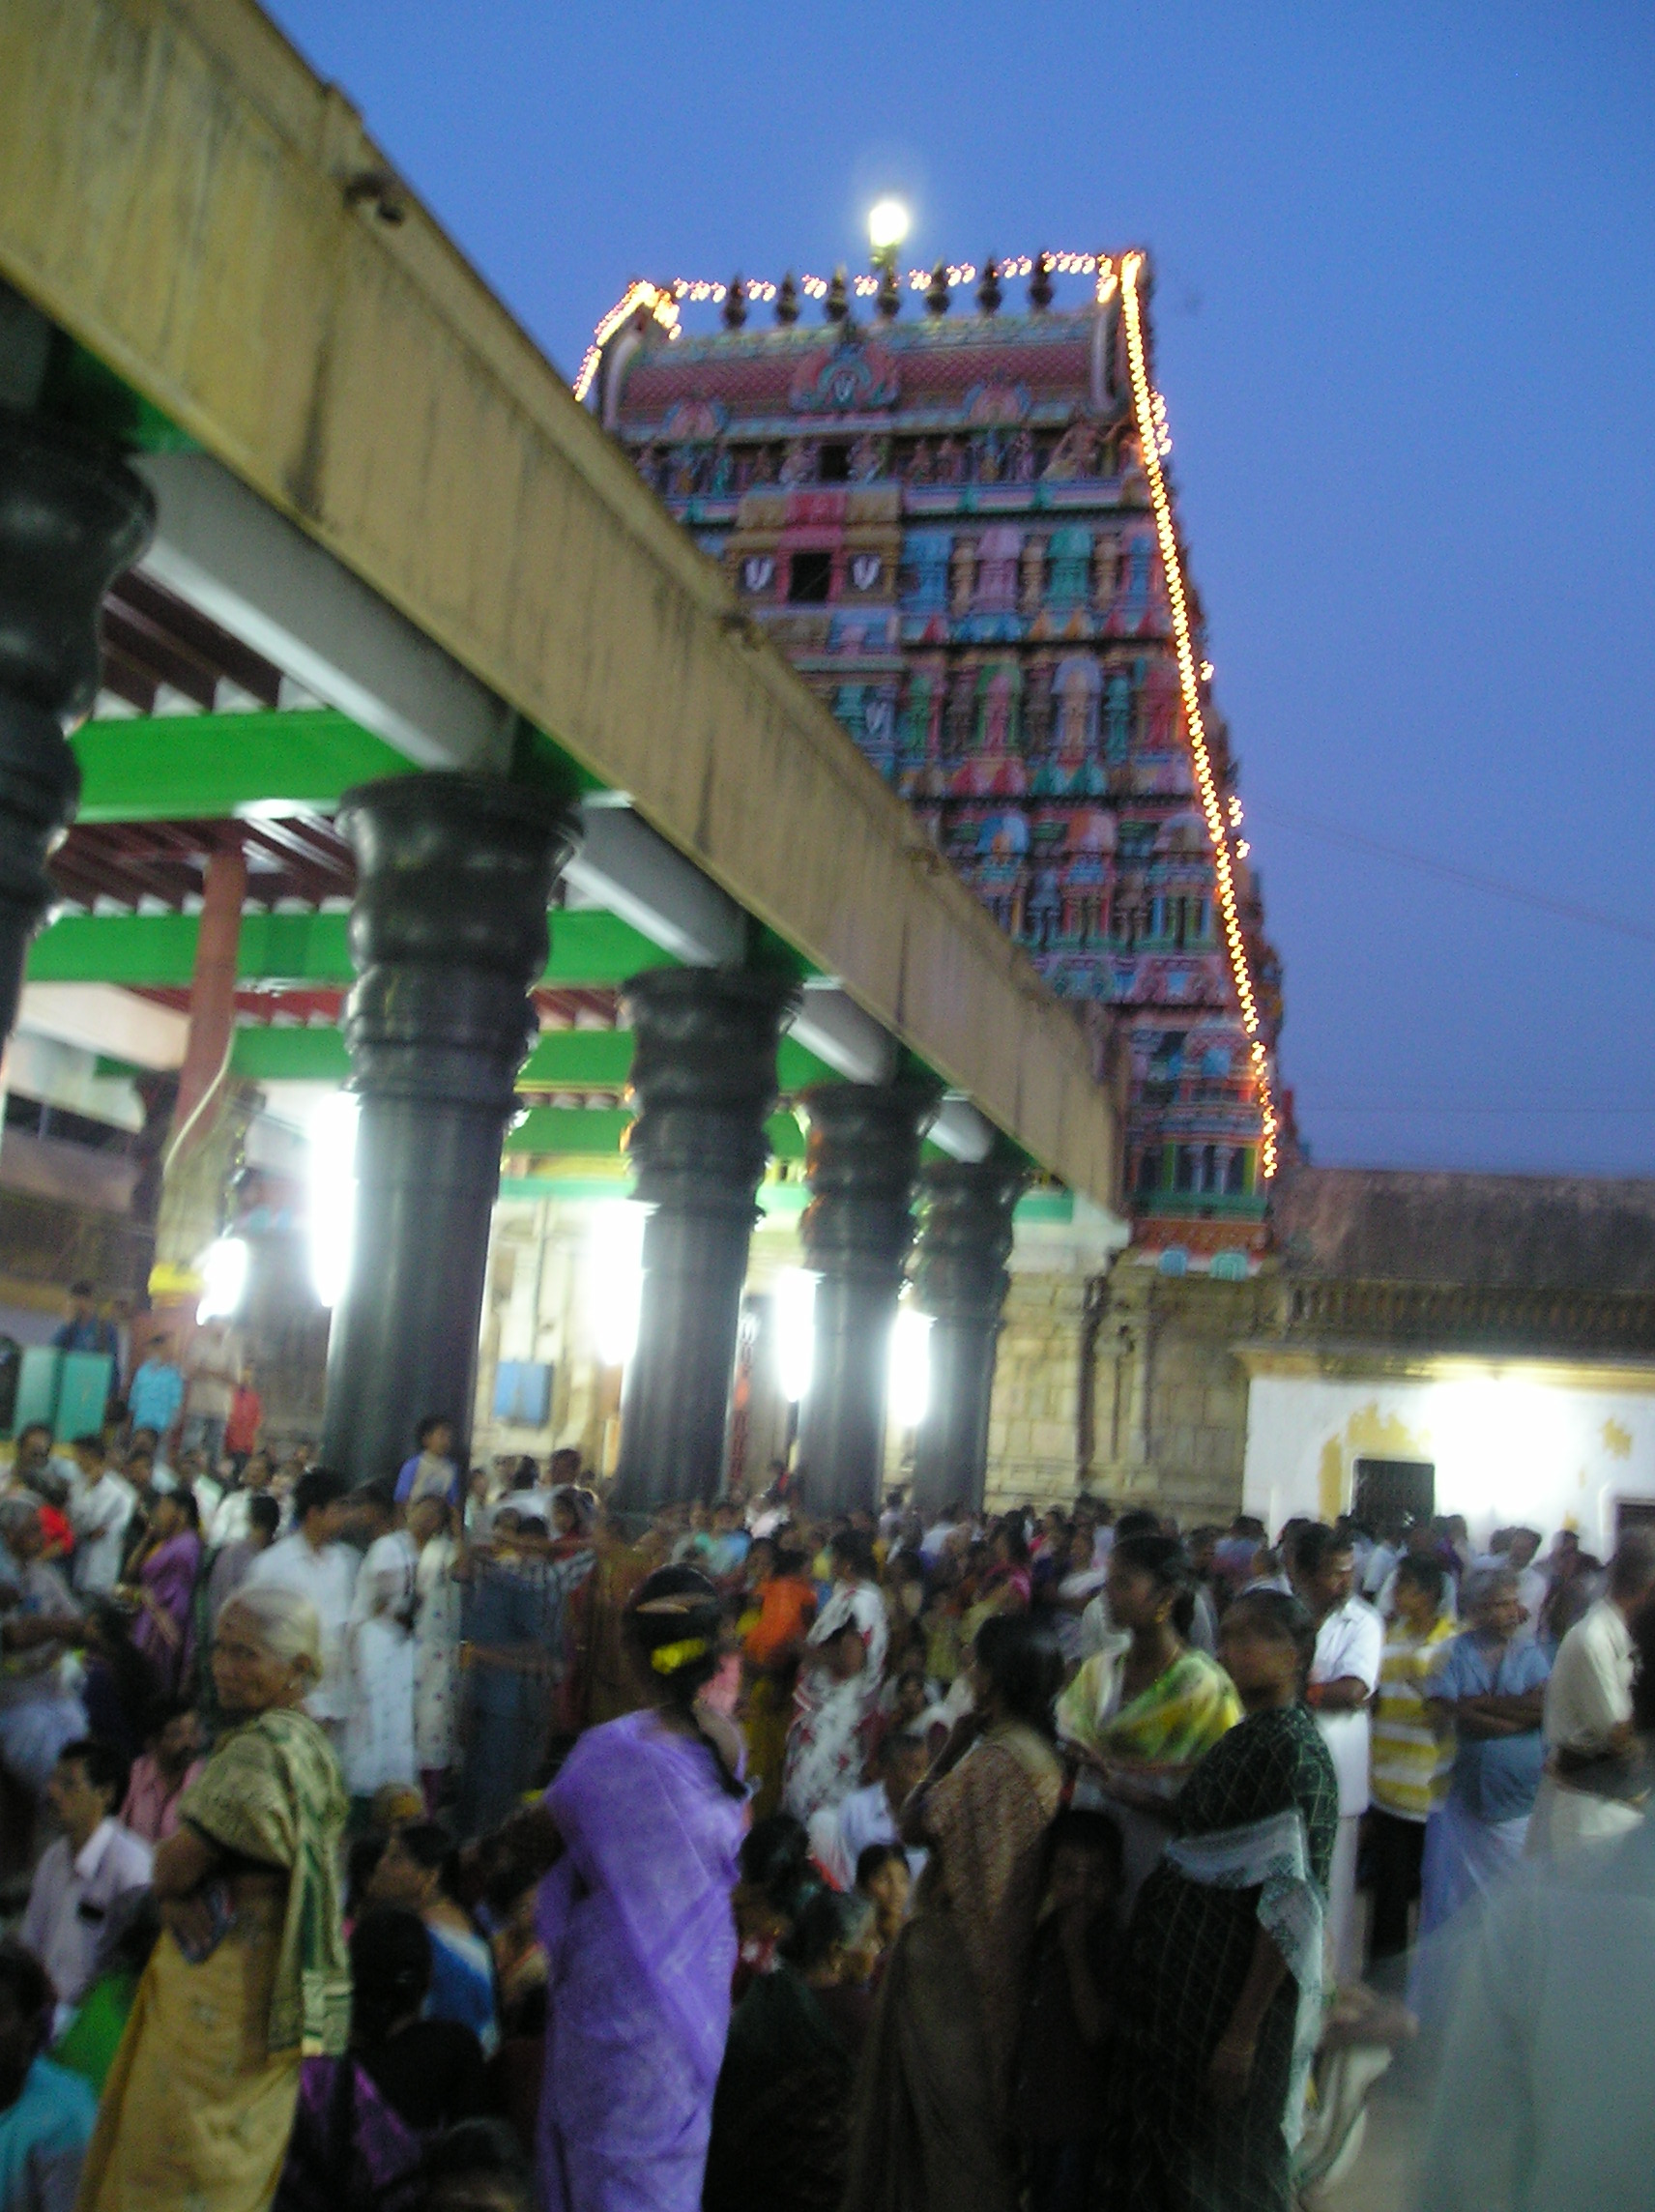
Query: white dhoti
x,y
1567,1820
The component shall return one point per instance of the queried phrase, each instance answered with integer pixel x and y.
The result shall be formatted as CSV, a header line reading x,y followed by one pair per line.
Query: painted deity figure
x,y
997,708
1020,461
1032,576
799,462
1118,715
867,459
1075,454
961,574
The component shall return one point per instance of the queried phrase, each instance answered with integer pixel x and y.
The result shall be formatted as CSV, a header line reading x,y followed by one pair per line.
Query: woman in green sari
x,y
1139,1713
250,1973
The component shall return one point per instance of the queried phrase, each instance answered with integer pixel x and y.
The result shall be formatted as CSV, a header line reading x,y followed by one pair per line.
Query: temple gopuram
x,y
953,511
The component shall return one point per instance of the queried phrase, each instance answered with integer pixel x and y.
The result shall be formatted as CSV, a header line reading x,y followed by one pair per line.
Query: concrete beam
x,y
103,1018
357,377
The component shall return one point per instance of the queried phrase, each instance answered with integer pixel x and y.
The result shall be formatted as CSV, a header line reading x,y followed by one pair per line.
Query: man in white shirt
x,y
379,1728
93,1864
314,1563
1344,1675
101,1504
233,1522
1522,1546
1588,1730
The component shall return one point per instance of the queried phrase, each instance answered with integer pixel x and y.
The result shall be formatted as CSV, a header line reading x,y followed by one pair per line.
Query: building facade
x,y
943,516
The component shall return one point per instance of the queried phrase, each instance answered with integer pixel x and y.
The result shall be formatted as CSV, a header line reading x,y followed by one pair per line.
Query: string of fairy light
x,y
1150,415
664,302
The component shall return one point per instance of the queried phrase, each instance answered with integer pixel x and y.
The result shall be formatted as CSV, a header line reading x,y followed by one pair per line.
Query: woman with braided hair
x,y
647,1815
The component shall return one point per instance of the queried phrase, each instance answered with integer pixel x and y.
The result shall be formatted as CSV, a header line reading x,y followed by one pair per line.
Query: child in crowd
x,y
1063,2065
886,1880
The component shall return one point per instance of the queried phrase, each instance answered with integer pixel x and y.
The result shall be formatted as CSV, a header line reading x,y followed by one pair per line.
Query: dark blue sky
x,y
1406,314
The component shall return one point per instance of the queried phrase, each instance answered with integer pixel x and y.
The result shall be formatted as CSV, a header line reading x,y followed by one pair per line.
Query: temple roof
x,y
1476,1231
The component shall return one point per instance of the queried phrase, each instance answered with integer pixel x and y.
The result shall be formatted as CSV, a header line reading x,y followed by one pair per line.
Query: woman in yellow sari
x,y
250,1974
1139,1713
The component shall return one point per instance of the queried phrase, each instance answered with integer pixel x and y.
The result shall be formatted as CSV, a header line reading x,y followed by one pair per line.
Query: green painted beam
x,y
569,1129
290,1054
579,1059
593,1129
564,1060
183,768
589,950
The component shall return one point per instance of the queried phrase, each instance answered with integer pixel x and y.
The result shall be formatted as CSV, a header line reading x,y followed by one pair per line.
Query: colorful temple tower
x,y
959,527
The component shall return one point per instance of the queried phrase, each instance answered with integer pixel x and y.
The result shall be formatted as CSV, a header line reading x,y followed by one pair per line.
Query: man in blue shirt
x,y
157,1392
1490,1686
85,1330
46,2111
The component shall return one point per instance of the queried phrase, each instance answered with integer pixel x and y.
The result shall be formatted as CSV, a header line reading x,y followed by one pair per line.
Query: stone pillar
x,y
862,1165
703,1077
960,1277
448,933
213,983
73,515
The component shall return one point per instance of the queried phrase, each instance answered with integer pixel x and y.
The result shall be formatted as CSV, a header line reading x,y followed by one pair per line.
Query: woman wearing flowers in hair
x,y
647,1816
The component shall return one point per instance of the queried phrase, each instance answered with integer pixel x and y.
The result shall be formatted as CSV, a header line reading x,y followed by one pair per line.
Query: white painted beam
x,y
624,867
960,1131
832,1025
248,569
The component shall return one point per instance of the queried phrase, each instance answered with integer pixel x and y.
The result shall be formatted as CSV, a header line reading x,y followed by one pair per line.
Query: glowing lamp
x,y
795,1332
223,1279
909,1366
617,1255
333,1194
887,227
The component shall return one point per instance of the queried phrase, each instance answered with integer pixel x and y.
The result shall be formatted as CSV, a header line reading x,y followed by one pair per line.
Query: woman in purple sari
x,y
649,1811
166,1586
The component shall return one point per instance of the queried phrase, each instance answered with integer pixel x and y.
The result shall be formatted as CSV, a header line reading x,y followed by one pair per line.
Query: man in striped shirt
x,y
1411,1754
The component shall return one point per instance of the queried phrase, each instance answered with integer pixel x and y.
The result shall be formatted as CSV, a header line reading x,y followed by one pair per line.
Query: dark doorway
x,y
1633,1513
1388,1490
810,578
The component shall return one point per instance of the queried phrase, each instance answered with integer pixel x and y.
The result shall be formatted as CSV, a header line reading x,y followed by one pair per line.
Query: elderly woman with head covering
x,y
250,1973
648,1814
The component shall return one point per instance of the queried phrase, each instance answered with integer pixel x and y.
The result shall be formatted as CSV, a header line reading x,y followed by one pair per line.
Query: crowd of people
x,y
439,1842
